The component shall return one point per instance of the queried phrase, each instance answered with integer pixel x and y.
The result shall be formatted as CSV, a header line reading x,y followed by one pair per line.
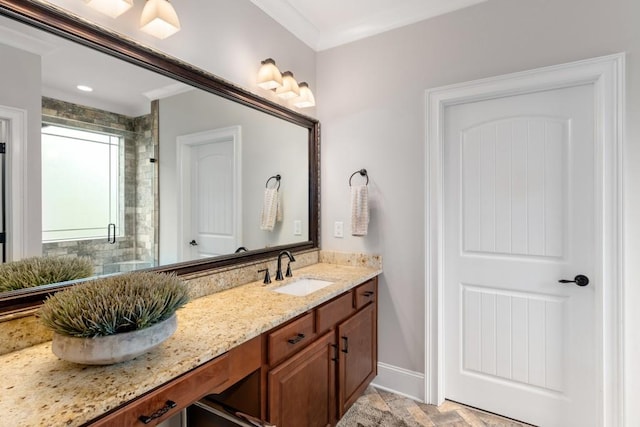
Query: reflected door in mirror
x,y
210,192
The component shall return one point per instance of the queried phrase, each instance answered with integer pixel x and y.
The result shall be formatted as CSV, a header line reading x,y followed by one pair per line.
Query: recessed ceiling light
x,y
85,88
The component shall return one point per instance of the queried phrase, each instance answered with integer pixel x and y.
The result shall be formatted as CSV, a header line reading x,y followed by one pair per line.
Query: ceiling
x,y
323,24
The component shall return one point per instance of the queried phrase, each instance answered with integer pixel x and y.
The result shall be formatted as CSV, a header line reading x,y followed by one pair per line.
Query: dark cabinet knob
x,y
193,242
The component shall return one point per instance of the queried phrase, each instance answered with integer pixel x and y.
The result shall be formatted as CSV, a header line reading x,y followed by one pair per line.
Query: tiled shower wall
x,y
137,248
146,200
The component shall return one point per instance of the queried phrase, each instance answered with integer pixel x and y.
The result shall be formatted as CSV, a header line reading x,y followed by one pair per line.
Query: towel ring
x,y
362,172
277,178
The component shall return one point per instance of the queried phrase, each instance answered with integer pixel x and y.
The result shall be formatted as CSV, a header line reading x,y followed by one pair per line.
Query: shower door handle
x,y
111,239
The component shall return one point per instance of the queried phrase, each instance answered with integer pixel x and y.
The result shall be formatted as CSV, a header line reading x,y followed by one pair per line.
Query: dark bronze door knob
x,y
579,280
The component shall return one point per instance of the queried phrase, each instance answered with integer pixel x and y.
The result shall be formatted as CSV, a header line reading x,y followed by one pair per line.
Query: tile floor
x,y
380,408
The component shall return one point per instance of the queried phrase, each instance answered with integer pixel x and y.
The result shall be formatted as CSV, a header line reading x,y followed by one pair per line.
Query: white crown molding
x,y
25,42
388,20
167,91
366,26
291,19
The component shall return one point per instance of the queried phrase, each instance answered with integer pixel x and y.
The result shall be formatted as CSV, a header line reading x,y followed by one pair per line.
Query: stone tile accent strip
x,y
16,334
353,259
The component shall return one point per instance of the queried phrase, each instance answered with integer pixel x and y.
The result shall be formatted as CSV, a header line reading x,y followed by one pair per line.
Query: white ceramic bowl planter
x,y
113,319
112,348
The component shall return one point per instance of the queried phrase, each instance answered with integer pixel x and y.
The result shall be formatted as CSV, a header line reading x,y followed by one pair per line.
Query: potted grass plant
x,y
36,271
115,318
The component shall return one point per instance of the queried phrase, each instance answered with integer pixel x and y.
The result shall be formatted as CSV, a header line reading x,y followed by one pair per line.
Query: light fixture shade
x,y
269,77
306,98
112,8
159,19
289,88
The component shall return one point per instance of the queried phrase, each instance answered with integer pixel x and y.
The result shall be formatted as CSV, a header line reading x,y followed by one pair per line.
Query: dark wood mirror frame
x,y
59,22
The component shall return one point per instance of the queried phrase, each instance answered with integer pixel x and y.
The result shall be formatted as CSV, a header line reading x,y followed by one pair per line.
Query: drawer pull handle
x,y
160,412
296,339
346,344
368,293
335,352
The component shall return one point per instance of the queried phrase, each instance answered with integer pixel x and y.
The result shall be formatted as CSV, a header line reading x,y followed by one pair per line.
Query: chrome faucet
x,y
279,271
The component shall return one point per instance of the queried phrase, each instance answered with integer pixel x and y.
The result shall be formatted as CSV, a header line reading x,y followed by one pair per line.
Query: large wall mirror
x,y
162,165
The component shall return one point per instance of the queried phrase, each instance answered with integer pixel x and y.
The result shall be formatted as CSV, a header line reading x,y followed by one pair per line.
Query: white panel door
x,y
213,200
520,209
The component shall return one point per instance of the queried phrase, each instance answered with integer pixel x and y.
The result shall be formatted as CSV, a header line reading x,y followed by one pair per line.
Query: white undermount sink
x,y
303,287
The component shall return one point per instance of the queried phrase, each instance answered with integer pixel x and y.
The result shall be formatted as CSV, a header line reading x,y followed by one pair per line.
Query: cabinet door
x,y
302,389
358,356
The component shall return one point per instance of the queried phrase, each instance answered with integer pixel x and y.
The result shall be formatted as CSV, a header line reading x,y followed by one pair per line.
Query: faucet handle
x,y
267,276
289,273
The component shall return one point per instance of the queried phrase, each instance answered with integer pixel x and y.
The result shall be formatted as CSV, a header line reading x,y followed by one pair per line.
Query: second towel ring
x,y
362,172
277,178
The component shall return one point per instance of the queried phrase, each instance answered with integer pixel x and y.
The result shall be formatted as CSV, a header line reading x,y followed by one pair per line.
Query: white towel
x,y
359,210
269,209
279,210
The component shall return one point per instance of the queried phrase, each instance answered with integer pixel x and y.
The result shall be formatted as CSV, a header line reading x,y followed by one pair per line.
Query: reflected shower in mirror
x,y
141,170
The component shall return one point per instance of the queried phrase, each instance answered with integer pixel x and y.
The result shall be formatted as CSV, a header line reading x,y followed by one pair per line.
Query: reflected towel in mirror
x,y
270,209
359,210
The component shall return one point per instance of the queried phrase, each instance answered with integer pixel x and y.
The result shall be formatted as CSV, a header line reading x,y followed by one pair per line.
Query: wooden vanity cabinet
x,y
317,385
357,356
302,389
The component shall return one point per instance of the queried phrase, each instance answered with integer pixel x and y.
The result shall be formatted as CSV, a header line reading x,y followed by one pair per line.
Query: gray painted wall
x,y
371,103
20,88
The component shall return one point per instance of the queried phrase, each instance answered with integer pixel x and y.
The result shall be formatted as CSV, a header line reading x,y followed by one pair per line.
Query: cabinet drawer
x,y
290,338
366,293
171,398
330,314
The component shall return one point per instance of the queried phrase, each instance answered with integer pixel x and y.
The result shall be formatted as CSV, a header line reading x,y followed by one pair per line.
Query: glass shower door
x,y
4,136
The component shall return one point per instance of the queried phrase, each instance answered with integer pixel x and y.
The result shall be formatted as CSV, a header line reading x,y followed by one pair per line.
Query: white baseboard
x,y
400,381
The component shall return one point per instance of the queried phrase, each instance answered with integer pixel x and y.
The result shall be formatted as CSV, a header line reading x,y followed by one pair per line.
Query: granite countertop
x,y
38,389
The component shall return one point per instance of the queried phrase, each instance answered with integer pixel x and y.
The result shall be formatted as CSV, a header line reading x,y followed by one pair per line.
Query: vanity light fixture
x,y
289,88
269,77
112,8
306,98
284,84
159,19
84,88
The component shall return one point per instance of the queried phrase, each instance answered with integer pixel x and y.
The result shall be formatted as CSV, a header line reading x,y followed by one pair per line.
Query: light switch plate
x,y
338,229
297,227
